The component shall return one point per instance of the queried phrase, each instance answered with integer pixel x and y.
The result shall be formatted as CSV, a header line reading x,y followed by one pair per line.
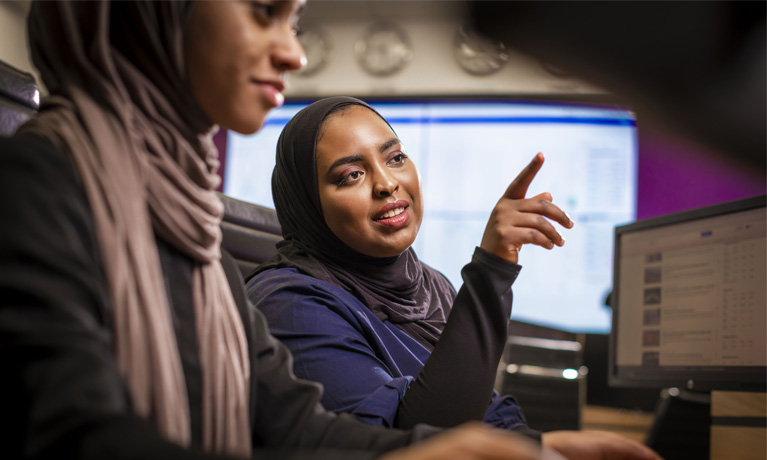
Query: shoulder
x,y
34,168
287,296
32,150
292,280
39,185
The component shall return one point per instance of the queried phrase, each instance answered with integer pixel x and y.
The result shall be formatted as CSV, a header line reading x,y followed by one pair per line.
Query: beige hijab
x,y
122,107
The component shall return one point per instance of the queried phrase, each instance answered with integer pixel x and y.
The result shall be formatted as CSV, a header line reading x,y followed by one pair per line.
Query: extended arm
x,y
456,382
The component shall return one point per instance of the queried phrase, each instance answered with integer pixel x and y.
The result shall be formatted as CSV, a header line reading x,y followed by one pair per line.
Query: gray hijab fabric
x,y
122,107
401,290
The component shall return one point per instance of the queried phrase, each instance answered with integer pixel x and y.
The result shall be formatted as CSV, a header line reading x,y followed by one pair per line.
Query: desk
x,y
738,425
629,423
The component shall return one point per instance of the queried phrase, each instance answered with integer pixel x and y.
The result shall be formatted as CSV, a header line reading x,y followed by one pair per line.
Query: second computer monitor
x,y
689,300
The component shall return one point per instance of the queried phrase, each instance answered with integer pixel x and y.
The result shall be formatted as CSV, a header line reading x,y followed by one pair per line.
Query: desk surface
x,y
629,423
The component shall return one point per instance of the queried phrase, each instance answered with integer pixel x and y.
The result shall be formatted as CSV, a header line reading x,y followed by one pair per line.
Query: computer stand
x,y
717,425
681,429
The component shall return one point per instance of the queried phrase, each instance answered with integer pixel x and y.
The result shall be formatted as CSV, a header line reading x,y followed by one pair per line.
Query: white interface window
x,y
693,294
467,154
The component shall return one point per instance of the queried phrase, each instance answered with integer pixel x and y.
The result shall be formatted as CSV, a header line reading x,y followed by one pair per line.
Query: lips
x,y
393,214
392,210
272,91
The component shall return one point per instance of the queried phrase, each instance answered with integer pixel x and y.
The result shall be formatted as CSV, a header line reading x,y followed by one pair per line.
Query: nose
x,y
288,55
385,185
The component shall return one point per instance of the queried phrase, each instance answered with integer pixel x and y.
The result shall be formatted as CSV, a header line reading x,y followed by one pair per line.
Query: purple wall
x,y
676,175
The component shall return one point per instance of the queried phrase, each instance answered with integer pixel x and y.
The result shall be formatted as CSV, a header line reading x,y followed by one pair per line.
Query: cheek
x,y
344,214
413,183
211,84
219,74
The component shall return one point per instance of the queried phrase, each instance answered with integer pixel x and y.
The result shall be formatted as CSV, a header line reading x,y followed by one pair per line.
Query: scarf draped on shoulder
x,y
122,107
401,289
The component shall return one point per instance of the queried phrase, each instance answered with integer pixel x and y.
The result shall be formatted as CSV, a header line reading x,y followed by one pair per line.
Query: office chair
x,y
250,232
19,98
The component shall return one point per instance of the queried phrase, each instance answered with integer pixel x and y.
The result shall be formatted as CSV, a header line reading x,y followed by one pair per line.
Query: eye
x,y
294,19
346,178
398,159
263,12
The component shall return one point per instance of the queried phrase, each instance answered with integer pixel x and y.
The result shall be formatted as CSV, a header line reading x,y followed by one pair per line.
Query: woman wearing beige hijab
x,y
124,331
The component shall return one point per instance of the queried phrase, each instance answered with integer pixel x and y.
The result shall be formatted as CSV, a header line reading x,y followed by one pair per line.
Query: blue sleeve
x,y
327,339
504,412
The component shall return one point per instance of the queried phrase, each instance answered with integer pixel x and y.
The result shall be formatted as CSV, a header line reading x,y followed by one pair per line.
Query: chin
x,y
248,130
393,251
246,125
385,247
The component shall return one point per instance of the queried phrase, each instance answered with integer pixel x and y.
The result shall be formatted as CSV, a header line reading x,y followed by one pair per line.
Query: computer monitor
x,y
689,307
468,151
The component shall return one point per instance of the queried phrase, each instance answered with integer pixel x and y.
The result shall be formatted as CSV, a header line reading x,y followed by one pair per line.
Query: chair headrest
x,y
250,215
18,87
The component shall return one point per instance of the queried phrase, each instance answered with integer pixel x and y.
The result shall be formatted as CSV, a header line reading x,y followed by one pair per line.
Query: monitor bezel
x,y
746,378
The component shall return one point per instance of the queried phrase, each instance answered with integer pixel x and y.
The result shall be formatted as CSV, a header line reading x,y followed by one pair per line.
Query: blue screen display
x,y
467,153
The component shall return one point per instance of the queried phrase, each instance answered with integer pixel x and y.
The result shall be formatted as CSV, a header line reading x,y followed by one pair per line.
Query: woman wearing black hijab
x,y
124,330
386,335
369,367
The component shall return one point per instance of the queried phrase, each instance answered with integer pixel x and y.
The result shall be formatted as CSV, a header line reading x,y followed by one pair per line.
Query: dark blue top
x,y
365,364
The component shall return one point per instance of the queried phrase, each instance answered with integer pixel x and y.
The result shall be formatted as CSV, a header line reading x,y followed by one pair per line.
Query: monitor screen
x,y
468,151
690,300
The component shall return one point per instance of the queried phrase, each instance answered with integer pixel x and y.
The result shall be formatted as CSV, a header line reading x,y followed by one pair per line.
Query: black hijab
x,y
401,289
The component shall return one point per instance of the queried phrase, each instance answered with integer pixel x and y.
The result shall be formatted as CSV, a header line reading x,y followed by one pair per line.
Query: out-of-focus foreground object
x,y
697,68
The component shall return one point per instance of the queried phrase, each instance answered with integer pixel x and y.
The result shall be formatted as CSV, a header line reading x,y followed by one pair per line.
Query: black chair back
x,y
250,232
19,98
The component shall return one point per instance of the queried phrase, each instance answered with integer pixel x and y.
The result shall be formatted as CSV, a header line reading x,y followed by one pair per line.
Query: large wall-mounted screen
x,y
468,151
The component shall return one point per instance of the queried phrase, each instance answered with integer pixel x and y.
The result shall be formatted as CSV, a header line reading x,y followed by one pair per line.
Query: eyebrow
x,y
301,10
357,158
344,161
387,144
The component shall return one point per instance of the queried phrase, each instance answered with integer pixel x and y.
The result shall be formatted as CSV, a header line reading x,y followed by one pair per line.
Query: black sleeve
x,y
470,347
61,392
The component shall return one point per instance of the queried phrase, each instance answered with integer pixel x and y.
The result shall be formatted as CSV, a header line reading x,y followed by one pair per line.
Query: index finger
x,y
518,187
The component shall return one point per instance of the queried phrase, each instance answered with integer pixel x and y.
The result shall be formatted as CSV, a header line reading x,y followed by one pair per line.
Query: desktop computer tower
x,y
547,379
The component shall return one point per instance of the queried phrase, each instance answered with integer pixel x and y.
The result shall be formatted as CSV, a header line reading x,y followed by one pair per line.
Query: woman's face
x,y
237,54
370,191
